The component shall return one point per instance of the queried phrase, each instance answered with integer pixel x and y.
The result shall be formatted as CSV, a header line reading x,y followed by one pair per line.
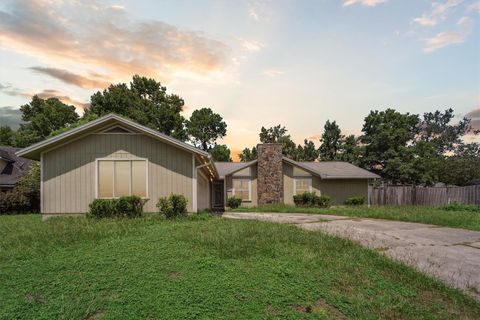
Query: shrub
x,y
323,201
12,202
455,206
25,196
129,207
310,199
355,201
102,208
234,202
173,206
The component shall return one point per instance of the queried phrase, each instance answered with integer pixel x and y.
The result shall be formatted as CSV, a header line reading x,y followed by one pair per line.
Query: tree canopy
x,y
220,152
205,127
145,101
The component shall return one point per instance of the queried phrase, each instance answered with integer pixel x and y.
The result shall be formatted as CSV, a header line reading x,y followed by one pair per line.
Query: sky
x,y
256,63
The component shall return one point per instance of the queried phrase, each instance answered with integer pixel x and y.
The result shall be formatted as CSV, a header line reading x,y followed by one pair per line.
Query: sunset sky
x,y
257,63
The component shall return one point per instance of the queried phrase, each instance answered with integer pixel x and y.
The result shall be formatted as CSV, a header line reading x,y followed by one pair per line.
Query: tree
x,y
42,117
436,129
204,127
385,136
145,102
6,136
351,151
248,155
331,141
417,164
307,152
460,170
278,134
220,152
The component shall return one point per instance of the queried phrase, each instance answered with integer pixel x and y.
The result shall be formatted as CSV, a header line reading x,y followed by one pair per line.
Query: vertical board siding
x,y
69,171
253,178
341,189
427,196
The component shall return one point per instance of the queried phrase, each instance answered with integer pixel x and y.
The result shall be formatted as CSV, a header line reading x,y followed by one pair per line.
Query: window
x,y
118,178
242,189
301,185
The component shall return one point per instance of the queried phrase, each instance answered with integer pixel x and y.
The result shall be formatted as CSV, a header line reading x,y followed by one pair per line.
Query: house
x,y
12,167
113,156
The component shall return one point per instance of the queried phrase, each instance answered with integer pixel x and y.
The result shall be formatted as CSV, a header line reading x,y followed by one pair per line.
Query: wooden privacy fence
x,y
426,196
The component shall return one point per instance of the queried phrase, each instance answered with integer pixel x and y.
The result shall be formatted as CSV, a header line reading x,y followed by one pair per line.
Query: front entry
x,y
217,195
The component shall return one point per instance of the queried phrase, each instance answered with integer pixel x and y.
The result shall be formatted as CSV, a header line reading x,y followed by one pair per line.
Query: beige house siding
x,y
68,179
339,189
249,173
289,174
203,191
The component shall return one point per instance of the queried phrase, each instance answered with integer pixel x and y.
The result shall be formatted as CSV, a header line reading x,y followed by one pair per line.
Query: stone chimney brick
x,y
270,173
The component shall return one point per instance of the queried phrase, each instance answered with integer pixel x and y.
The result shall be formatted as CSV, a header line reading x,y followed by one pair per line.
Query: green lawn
x,y
205,268
430,215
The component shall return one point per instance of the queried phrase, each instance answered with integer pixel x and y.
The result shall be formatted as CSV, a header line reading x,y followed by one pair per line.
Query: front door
x,y
217,194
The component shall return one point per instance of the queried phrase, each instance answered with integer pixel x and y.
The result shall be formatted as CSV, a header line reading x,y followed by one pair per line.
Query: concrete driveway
x,y
449,254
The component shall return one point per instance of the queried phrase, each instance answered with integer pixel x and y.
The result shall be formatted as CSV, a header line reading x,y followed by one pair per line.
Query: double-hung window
x,y
116,178
302,185
242,188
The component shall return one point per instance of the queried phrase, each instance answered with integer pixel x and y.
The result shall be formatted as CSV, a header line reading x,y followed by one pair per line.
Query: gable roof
x,y
16,167
33,151
333,169
227,168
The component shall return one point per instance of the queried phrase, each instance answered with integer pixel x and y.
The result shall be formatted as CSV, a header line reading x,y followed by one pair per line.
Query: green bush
x,y
129,207
323,201
25,196
234,202
310,199
455,206
173,206
12,202
355,201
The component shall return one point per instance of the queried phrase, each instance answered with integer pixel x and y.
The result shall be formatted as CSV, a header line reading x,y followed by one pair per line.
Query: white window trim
x,y
130,184
249,188
301,178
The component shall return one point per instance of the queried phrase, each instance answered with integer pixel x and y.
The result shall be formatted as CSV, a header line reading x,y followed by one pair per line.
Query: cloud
x,y
250,45
50,93
464,22
259,11
88,33
439,11
367,3
95,82
474,7
443,39
474,117
10,116
272,73
44,94
315,137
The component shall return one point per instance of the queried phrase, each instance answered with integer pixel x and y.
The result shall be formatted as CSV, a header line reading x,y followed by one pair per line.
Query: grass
x,y
451,216
205,268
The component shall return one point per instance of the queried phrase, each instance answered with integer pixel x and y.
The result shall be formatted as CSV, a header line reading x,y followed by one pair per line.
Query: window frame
x,y
249,188
302,178
97,180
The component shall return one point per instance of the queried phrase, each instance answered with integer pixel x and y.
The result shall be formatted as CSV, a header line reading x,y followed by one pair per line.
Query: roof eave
x,y
34,150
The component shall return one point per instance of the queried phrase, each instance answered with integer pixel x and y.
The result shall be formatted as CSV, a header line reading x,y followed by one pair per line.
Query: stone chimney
x,y
270,173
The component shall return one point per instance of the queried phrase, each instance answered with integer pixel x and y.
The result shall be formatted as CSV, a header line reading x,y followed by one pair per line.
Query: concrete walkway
x,y
449,254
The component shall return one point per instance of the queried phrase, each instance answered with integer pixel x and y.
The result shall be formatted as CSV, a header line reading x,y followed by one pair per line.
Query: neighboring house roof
x,y
34,151
227,168
16,167
334,169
